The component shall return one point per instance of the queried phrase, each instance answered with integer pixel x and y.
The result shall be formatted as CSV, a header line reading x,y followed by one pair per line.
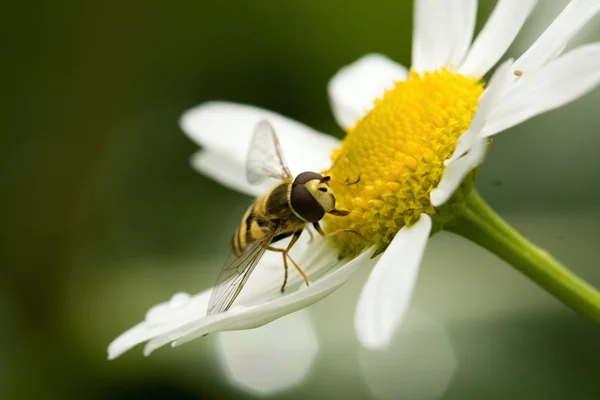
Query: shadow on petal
x,y
271,358
419,363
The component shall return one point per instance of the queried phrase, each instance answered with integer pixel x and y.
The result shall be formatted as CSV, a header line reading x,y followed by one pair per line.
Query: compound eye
x,y
305,205
307,176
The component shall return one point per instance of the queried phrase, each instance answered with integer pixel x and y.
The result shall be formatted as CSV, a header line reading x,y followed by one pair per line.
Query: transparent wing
x,y
235,274
265,158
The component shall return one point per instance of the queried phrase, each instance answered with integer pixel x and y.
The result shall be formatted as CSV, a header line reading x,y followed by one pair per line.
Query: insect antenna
x,y
346,183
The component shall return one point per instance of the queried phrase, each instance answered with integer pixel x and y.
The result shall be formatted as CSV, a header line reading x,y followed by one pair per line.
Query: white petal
x,y
487,102
470,147
495,38
354,88
271,358
550,44
387,293
160,320
227,128
455,173
442,32
264,284
247,317
465,12
229,173
251,317
556,84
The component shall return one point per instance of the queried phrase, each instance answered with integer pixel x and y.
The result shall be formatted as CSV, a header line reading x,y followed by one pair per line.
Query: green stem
x,y
480,224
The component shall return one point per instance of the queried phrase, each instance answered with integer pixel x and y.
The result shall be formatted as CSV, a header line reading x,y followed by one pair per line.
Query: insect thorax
x,y
277,205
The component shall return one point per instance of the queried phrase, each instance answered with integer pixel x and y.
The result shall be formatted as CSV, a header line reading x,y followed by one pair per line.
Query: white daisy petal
x,y
464,143
442,32
556,84
262,287
497,35
354,88
431,42
229,173
487,101
271,358
463,28
255,316
387,293
161,319
455,173
263,284
549,45
227,128
181,321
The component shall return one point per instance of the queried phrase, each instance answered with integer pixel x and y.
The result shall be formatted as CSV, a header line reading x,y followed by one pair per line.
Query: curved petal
x,y
387,293
226,128
189,320
354,88
456,172
470,147
487,102
554,39
255,316
229,173
497,35
442,32
263,285
161,319
462,29
556,84
271,358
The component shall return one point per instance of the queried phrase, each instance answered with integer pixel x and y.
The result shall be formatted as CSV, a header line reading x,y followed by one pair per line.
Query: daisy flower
x,y
415,137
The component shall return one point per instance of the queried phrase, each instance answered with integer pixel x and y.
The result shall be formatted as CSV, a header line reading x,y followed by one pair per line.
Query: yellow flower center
x,y
398,151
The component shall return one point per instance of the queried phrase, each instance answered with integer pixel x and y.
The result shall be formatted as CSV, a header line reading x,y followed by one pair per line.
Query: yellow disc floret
x,y
398,151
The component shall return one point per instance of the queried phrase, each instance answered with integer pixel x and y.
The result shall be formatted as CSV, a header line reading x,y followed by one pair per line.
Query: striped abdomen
x,y
250,230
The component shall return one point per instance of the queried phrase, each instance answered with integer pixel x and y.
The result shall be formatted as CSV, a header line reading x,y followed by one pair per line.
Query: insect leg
x,y
311,235
322,233
286,256
285,265
299,270
287,250
285,274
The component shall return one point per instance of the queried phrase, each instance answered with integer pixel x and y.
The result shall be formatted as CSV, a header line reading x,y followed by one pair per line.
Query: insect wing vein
x,y
235,274
265,157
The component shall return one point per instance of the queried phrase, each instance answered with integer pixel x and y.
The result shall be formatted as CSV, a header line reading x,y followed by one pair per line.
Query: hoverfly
x,y
283,211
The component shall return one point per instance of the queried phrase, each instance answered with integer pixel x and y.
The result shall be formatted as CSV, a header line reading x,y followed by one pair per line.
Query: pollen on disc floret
x,y
398,151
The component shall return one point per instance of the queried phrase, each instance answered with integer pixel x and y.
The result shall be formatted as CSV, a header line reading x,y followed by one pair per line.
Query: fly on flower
x,y
284,211
416,137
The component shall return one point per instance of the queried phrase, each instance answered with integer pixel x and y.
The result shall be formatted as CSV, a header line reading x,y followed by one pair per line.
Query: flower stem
x,y
480,224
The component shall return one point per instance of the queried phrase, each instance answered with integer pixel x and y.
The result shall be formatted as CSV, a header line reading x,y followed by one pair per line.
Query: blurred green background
x,y
103,216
